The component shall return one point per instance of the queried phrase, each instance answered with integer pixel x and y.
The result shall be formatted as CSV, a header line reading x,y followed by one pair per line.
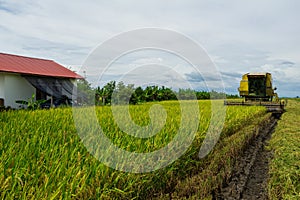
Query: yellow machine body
x,y
257,86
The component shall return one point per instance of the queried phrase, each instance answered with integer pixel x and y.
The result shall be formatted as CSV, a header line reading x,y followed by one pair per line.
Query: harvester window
x,y
257,87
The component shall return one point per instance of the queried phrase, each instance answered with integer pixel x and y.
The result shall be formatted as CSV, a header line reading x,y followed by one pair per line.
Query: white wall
x,y
16,88
2,94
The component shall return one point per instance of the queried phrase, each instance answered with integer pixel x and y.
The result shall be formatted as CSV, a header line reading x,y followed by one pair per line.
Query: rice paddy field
x,y
43,157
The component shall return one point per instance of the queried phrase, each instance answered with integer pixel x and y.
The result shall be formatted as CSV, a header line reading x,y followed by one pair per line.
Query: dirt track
x,y
250,174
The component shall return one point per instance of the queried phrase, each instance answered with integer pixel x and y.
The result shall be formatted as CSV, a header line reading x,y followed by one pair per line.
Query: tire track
x,y
250,174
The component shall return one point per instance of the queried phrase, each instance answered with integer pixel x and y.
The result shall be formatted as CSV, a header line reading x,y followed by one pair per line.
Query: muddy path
x,y
250,175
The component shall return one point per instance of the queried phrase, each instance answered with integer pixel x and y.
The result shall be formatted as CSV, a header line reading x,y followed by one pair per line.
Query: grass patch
x,y
284,171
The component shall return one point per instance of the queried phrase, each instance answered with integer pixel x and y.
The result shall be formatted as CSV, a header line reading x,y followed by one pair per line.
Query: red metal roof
x,y
34,66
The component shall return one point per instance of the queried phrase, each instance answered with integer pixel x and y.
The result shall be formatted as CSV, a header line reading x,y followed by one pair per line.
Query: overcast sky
x,y
239,36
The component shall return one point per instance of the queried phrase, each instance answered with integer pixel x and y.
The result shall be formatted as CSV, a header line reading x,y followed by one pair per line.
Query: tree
x,y
202,95
137,96
123,93
103,95
85,92
187,94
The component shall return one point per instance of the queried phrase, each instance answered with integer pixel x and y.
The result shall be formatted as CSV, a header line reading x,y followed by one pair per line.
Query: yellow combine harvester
x,y
257,89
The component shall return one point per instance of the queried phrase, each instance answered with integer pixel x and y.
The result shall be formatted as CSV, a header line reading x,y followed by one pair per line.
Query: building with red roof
x,y
22,77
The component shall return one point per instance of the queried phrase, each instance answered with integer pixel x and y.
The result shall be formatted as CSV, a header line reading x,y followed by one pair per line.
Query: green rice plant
x,y
42,157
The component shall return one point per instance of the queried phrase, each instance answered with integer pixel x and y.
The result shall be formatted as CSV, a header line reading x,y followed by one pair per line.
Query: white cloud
x,y
240,36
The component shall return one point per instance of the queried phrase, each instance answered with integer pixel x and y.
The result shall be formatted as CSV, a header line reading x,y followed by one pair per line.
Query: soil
x,y
250,174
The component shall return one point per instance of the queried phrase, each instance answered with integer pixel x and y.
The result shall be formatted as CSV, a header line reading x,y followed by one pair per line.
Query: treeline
x,y
119,93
